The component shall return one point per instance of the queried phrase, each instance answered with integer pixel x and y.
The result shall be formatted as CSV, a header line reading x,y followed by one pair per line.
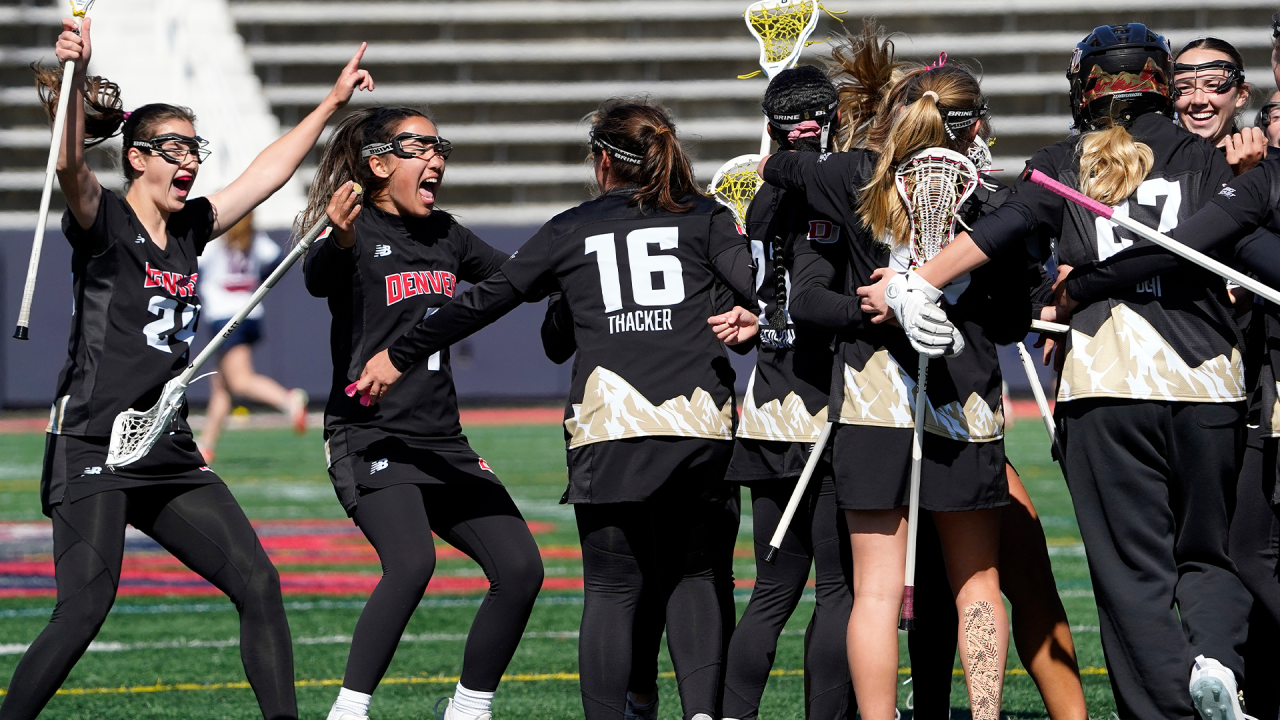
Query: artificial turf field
x,y
174,656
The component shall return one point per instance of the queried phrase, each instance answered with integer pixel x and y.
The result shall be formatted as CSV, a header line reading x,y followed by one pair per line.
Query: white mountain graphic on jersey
x,y
883,395
612,410
786,420
1128,358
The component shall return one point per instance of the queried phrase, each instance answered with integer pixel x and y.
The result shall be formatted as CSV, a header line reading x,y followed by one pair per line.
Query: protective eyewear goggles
x,y
1275,26
1213,84
1267,113
599,144
410,145
175,148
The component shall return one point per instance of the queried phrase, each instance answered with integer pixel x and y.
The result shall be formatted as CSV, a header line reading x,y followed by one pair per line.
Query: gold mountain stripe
x,y
786,420
613,410
1128,358
883,395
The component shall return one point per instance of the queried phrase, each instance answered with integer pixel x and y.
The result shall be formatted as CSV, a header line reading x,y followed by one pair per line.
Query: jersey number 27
x,y
643,267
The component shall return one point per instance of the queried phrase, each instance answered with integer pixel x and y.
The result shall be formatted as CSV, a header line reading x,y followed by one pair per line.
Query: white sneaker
x,y
1213,691
701,716
632,713
347,716
451,714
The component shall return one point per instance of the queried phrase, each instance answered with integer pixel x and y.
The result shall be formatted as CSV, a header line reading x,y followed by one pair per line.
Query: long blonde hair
x,y
1112,164
908,102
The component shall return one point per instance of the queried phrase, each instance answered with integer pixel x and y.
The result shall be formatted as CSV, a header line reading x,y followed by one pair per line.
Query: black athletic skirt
x,y
75,467
391,461
757,460
633,469
872,468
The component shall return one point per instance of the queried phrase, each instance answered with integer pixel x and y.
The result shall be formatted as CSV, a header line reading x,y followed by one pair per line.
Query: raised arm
x,y
274,166
79,184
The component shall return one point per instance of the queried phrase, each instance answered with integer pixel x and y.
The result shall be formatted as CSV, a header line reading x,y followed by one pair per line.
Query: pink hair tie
x,y
942,60
127,114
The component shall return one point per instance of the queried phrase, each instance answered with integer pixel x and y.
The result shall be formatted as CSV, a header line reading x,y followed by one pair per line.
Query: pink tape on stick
x,y
1074,196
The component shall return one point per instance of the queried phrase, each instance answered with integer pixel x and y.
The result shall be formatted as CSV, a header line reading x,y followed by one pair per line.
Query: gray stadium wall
x,y
500,364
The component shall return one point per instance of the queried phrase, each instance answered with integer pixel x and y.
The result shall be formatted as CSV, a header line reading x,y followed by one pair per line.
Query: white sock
x,y
351,702
471,702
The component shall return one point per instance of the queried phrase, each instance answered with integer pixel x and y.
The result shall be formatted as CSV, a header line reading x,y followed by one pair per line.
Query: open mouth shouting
x,y
427,190
182,183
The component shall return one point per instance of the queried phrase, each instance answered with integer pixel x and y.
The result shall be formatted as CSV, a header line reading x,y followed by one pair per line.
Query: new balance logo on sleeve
x,y
377,465
381,250
1227,191
96,470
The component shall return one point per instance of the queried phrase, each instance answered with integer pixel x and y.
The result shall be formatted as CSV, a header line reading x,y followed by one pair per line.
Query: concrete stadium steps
x,y
509,82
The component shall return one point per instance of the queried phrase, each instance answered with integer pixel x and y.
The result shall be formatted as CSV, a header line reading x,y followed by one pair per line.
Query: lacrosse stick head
x,y
782,28
735,184
80,8
980,154
135,432
933,184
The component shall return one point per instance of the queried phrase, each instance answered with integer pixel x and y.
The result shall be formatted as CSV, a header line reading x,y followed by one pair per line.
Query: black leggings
x,y
817,533
479,519
1255,547
204,528
642,561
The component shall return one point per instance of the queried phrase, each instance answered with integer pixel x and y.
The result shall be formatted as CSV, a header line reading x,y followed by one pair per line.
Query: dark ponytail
x,y
341,161
104,114
640,139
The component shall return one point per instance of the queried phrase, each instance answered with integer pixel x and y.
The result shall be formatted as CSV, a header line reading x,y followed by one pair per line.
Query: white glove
x,y
914,302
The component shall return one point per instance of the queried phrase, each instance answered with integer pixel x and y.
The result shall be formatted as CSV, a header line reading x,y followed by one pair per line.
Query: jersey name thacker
x,y
135,313
399,271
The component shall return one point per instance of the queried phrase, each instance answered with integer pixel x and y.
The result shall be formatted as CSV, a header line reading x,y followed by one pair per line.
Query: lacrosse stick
x,y
1158,238
933,184
782,27
1043,404
134,432
78,9
796,495
735,184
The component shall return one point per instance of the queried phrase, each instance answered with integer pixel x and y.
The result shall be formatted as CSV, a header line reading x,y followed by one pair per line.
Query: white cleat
x,y
1213,691
701,716
347,716
451,714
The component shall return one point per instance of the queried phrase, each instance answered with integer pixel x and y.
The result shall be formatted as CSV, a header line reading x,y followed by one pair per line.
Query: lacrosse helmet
x,y
797,96
1117,73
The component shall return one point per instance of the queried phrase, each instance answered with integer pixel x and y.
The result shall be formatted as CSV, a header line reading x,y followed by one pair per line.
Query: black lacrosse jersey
x,y
134,315
874,380
639,283
1170,338
399,271
786,398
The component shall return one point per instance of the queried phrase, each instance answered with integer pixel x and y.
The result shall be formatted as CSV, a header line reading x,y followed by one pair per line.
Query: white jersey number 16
x,y
643,267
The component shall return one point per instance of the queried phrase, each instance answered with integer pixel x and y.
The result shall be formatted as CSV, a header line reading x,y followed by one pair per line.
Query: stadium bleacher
x,y
510,82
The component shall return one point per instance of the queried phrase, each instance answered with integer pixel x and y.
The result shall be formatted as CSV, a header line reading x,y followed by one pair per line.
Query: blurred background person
x,y
1269,119
231,268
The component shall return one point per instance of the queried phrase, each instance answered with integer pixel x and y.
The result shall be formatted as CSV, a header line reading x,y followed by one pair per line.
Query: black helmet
x,y
1117,73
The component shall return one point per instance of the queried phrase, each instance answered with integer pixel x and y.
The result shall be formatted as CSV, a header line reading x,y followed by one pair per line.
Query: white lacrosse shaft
x,y
913,508
121,451
46,194
1158,238
775,543
1037,390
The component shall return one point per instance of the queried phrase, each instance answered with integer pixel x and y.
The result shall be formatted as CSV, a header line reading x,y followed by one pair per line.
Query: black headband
x,y
788,120
599,143
959,118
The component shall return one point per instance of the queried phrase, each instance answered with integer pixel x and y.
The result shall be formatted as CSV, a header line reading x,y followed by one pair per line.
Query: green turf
x,y
277,475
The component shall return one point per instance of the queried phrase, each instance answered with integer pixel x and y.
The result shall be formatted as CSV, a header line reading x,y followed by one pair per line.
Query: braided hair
x,y
797,94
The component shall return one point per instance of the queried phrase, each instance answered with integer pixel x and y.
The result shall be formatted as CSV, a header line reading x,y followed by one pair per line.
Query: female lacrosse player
x,y
134,276
231,268
1209,93
1151,383
402,468
650,417
784,411
963,479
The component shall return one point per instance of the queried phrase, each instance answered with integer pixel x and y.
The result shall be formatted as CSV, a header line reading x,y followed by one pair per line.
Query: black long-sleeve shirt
x,y
640,285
